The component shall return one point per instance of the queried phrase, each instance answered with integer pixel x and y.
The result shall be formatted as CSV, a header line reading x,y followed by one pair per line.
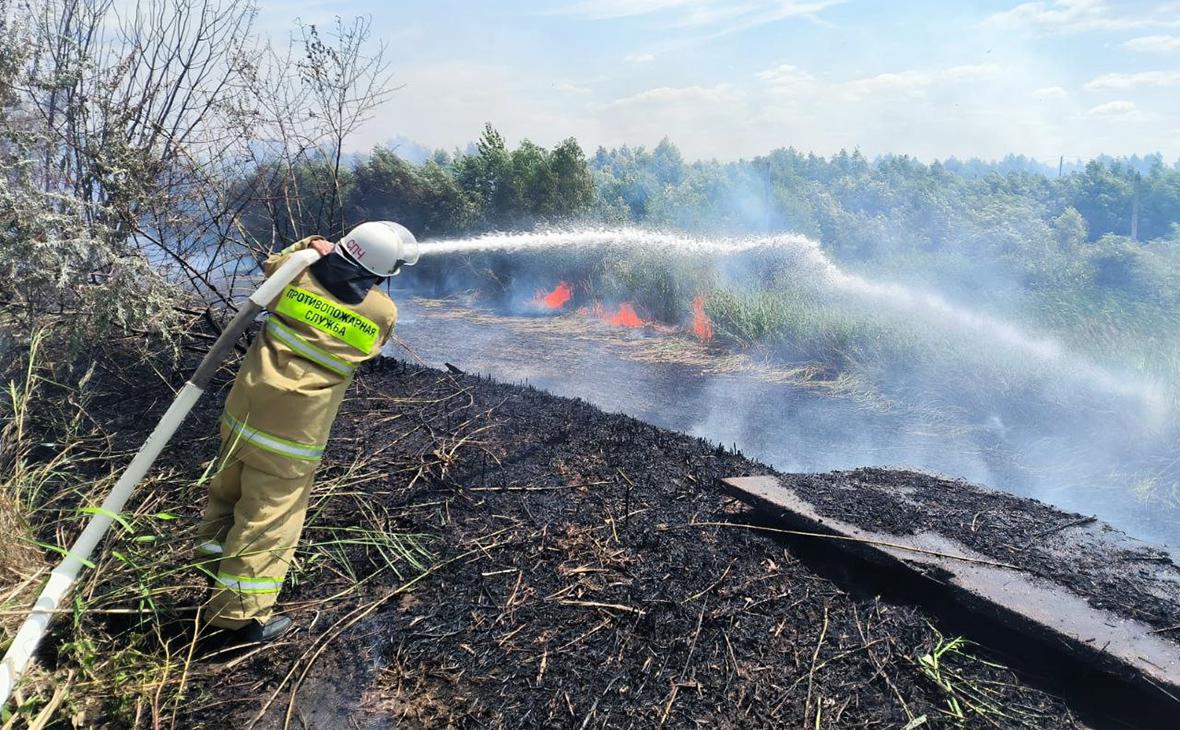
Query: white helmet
x,y
380,247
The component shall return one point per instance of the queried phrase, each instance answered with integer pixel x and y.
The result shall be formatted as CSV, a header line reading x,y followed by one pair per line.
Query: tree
x,y
527,185
1069,230
667,165
575,185
425,199
134,145
346,84
485,175
1103,195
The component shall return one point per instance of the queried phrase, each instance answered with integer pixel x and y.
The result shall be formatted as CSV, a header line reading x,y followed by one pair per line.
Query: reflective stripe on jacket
x,y
281,332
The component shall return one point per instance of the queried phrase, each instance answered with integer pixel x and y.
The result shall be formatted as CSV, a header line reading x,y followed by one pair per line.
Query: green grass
x,y
973,689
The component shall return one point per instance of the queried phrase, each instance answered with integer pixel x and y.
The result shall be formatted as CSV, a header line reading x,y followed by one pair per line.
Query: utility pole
x,y
1060,165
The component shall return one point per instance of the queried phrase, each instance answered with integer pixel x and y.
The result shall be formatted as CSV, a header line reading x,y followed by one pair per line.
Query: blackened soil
x,y
578,579
1104,566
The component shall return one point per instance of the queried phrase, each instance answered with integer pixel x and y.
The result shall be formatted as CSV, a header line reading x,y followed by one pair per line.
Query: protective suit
x,y
274,429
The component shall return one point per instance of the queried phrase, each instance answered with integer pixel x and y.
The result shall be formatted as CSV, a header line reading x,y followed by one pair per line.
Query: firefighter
x,y
331,318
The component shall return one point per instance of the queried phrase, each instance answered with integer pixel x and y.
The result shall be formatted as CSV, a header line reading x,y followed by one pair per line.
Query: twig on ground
x,y
823,632
713,585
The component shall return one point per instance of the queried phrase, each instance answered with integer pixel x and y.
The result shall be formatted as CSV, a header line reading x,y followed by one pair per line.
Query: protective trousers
x,y
251,526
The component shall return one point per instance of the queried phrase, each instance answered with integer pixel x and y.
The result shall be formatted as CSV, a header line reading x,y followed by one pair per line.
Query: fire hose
x,y
63,577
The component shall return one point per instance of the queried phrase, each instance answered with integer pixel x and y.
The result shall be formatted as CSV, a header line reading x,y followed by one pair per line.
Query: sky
x,y
728,79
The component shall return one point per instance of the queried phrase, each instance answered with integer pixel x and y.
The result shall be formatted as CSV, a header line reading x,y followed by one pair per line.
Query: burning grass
x,y
783,295
555,299
626,316
1050,389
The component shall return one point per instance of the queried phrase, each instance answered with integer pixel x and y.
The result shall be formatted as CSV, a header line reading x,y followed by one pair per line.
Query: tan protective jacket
x,y
298,368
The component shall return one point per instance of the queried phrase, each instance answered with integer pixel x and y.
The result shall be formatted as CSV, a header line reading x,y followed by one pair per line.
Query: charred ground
x,y
575,582
1110,570
578,576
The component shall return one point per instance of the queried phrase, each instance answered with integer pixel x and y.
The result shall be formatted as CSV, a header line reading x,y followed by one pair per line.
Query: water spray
x,y
63,577
904,300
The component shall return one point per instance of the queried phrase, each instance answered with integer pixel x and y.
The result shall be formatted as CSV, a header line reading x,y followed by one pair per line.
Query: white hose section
x,y
274,284
62,578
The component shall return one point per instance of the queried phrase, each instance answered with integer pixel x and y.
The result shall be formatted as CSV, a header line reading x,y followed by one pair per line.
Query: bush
x,y
75,279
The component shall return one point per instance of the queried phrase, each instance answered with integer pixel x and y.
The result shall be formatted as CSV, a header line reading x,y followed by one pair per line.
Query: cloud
x,y
567,88
1154,44
705,121
1051,92
780,94
611,9
1120,109
665,96
915,82
786,78
1075,16
1135,80
446,104
721,16
967,110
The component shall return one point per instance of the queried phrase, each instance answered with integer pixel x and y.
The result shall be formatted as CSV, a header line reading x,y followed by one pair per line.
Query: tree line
x,y
142,171
1109,225
491,187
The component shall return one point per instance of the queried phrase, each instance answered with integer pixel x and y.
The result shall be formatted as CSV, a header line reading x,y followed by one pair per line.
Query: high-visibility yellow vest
x,y
294,376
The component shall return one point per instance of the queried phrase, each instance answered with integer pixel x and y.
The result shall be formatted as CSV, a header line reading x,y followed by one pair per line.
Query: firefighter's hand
x,y
322,246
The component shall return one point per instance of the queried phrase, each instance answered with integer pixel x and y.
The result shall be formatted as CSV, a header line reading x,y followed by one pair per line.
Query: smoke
x,y
932,382
923,312
1080,462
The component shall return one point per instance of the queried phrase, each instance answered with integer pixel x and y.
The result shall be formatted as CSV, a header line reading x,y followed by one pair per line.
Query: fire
x,y
557,298
701,326
625,317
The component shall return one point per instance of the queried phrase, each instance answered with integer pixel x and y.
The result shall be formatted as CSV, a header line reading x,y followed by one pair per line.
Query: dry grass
x,y
124,650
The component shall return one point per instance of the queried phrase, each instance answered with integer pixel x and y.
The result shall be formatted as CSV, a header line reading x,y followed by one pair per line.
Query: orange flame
x,y
701,326
625,317
555,299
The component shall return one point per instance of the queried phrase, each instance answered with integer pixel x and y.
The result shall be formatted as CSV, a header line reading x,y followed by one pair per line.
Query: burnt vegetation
x,y
574,581
486,554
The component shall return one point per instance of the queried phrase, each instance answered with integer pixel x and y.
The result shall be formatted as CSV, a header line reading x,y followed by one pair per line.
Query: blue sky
x,y
735,78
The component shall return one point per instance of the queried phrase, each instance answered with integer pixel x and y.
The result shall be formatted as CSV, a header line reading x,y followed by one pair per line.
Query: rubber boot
x,y
254,632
